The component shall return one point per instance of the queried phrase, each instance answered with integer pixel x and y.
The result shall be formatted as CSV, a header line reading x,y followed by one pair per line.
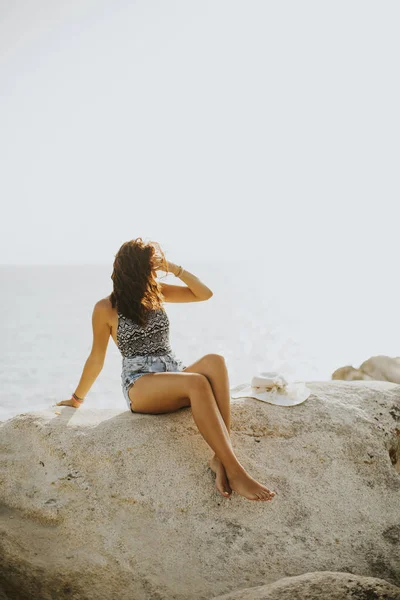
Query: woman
x,y
154,380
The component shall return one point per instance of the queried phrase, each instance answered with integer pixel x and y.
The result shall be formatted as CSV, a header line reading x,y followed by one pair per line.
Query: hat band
x,y
266,388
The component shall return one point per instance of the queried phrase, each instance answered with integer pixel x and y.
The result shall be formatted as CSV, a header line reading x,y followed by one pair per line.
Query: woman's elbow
x,y
204,296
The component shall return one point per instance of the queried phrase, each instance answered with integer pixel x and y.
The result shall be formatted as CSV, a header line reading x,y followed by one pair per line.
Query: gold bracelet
x,y
179,273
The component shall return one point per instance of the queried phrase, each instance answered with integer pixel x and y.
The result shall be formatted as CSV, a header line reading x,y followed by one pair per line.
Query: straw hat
x,y
272,387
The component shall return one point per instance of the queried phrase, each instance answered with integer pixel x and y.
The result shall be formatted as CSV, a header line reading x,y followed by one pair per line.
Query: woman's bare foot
x,y
221,480
241,482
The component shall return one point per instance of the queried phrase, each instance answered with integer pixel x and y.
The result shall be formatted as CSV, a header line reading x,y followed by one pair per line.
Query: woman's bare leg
x,y
213,366
166,392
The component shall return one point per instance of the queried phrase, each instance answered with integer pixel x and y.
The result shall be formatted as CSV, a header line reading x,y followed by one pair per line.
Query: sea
x,y
301,325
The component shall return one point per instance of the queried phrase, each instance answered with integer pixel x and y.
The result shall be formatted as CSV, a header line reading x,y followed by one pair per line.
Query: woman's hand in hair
x,y
159,261
169,267
159,264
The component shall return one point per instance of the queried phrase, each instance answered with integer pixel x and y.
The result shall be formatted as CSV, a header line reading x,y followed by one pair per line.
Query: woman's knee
x,y
198,382
215,360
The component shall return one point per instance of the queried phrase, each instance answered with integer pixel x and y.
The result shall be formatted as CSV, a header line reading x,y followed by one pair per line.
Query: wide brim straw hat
x,y
273,388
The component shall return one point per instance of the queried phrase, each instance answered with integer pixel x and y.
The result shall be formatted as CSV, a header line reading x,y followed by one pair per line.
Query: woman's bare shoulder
x,y
105,309
105,306
104,302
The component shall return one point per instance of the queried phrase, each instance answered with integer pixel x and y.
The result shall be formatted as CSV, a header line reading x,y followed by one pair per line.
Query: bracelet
x,y
77,399
179,273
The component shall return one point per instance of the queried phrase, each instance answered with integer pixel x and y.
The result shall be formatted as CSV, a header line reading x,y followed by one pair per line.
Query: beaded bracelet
x,y
77,399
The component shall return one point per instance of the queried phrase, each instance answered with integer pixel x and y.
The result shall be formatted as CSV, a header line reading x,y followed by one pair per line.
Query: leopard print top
x,y
152,339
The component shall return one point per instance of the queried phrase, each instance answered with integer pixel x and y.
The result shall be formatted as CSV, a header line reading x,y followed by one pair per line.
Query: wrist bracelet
x,y
179,273
77,399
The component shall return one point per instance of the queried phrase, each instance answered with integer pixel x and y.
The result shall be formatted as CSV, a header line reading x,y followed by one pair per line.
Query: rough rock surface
x,y
320,586
107,504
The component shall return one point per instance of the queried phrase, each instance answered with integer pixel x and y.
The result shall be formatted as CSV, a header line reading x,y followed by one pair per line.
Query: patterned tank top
x,y
152,339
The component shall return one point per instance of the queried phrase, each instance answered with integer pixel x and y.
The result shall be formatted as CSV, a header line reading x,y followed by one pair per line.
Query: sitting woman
x,y
154,380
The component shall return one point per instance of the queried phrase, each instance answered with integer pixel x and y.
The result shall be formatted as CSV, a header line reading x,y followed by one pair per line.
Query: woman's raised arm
x,y
194,291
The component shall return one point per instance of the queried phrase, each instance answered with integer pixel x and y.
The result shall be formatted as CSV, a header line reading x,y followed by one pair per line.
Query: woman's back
x,y
152,339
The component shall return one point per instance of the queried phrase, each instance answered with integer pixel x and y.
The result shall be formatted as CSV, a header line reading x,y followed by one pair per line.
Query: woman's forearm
x,y
198,288
90,372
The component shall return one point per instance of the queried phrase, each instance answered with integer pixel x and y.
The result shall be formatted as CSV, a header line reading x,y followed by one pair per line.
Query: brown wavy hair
x,y
135,289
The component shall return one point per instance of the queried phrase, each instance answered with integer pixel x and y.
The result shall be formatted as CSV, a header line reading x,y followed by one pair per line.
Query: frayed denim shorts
x,y
136,366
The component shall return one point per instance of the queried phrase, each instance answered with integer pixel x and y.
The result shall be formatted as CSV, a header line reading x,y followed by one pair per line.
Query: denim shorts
x,y
136,366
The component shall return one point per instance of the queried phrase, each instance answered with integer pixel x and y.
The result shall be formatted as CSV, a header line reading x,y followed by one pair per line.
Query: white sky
x,y
265,130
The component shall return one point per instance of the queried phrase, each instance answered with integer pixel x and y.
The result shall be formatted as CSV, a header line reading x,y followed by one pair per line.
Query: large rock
x,y
109,504
320,586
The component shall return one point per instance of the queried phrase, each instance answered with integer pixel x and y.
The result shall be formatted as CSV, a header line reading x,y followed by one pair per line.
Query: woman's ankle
x,y
235,470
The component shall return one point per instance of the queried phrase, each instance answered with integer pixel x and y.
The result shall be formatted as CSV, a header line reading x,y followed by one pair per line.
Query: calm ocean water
x,y
259,319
